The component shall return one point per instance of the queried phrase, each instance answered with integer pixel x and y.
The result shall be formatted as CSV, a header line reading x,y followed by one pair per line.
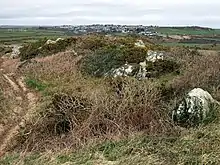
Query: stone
x,y
194,108
140,43
59,39
53,42
15,51
137,70
153,56
50,42
125,70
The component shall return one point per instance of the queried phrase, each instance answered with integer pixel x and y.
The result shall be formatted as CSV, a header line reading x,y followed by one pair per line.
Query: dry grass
x,y
79,108
199,71
76,111
9,102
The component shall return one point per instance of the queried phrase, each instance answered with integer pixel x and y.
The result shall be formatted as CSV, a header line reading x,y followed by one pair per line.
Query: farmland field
x,y
187,31
25,35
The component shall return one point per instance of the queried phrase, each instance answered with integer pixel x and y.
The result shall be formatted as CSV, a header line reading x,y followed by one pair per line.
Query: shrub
x,y
102,61
66,112
162,67
134,54
112,57
39,48
31,50
200,71
93,42
99,114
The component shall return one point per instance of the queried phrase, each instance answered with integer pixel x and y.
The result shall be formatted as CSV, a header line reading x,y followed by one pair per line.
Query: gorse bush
x,y
40,48
162,67
31,50
94,42
102,61
111,57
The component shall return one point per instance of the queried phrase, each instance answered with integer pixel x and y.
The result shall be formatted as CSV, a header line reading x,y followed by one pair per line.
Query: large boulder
x,y
194,108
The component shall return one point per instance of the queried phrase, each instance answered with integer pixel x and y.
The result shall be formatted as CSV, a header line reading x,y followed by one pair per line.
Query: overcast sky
x,y
146,12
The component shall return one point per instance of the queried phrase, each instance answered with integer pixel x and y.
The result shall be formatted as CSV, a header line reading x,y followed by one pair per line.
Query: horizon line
x,y
173,26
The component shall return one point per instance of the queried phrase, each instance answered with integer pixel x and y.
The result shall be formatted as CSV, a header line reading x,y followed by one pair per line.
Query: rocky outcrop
x,y
140,43
15,51
53,42
125,70
139,71
153,56
194,108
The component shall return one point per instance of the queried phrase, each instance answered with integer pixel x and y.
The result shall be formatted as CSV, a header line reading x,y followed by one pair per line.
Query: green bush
x,y
102,61
40,48
94,42
112,57
31,50
162,67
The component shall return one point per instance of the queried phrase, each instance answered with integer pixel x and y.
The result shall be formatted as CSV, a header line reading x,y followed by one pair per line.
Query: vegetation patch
x,y
104,60
111,113
41,48
35,84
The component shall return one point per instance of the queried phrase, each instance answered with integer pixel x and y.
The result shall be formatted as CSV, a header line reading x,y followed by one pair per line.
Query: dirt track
x,y
26,102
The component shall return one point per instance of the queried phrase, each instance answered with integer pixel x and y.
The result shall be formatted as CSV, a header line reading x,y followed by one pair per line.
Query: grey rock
x,y
194,108
140,43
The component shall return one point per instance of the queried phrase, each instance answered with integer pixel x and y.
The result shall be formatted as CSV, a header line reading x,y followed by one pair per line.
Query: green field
x,y
187,31
192,45
26,35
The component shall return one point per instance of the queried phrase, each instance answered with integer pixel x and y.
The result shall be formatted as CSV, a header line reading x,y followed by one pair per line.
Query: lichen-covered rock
x,y
53,42
15,51
153,66
50,42
125,70
140,43
153,56
194,108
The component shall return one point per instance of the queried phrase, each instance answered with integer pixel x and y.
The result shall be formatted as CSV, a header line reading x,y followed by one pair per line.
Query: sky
x,y
133,12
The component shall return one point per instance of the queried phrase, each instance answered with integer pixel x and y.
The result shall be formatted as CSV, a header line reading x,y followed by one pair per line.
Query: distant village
x,y
109,29
96,28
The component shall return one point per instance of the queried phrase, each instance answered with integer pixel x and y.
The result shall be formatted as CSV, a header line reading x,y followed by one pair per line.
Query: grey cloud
x,y
57,12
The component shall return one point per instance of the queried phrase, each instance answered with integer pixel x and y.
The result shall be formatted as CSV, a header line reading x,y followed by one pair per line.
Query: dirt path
x,y
26,102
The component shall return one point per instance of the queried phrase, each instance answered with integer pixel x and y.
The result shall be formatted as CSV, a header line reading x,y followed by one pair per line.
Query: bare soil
x,y
26,101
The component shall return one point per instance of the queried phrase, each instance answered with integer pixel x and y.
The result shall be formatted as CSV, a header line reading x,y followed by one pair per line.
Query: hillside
x,y
65,102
